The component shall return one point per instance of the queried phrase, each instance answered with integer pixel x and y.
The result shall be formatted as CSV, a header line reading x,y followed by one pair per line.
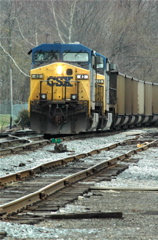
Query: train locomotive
x,y
74,89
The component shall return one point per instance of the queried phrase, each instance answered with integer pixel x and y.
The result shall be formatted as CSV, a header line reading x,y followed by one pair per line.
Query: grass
x,y
4,120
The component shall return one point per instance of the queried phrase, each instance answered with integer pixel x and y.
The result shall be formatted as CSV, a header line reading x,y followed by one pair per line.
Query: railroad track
x,y
44,192
15,143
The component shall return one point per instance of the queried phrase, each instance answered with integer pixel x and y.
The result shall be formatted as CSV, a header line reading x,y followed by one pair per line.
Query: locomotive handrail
x,y
64,87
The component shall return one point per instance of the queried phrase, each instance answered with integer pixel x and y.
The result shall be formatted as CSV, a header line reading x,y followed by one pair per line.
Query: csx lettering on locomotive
x,y
60,81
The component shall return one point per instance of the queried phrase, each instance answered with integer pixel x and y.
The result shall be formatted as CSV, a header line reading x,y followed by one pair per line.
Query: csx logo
x,y
59,81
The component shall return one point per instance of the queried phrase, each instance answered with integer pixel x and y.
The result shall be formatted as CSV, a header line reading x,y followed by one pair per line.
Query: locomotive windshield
x,y
46,56
75,57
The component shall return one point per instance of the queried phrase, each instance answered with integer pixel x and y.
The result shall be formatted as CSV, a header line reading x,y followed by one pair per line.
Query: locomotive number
x,y
59,82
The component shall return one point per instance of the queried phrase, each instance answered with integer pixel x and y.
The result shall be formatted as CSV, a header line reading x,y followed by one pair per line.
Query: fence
x,y
5,108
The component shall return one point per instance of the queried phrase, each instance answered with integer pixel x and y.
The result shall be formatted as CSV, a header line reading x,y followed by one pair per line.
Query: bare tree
x,y
125,31
16,39
63,14
130,40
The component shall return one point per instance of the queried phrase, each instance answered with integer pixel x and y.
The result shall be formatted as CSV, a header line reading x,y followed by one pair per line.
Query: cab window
x,y
75,57
46,56
100,64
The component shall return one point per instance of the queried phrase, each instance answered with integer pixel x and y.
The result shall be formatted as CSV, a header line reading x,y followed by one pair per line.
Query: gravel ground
x,y
139,208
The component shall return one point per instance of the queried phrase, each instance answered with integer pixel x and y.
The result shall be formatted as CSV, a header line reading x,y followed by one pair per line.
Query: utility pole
x,y
0,99
11,98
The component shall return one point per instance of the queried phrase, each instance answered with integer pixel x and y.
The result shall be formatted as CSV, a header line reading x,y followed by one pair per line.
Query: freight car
x,y
74,89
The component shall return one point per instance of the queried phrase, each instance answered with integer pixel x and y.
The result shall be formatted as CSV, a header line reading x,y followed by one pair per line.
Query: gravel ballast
x,y
21,161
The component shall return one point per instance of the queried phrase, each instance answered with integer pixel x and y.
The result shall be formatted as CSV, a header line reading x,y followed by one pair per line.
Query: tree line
x,y
125,31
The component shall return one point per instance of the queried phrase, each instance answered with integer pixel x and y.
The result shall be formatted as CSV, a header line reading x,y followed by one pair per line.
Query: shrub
x,y
23,119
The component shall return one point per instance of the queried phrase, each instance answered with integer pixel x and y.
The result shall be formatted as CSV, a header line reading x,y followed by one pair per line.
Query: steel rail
x,y
42,193
23,147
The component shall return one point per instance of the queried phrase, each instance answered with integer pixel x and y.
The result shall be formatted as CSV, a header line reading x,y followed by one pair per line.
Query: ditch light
x,y
43,96
73,96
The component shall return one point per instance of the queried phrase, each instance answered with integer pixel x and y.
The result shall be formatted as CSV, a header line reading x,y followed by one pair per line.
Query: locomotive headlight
x,y
82,76
59,70
43,96
37,76
73,96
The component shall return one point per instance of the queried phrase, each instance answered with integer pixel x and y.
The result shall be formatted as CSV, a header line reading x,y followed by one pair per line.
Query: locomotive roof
x,y
61,47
